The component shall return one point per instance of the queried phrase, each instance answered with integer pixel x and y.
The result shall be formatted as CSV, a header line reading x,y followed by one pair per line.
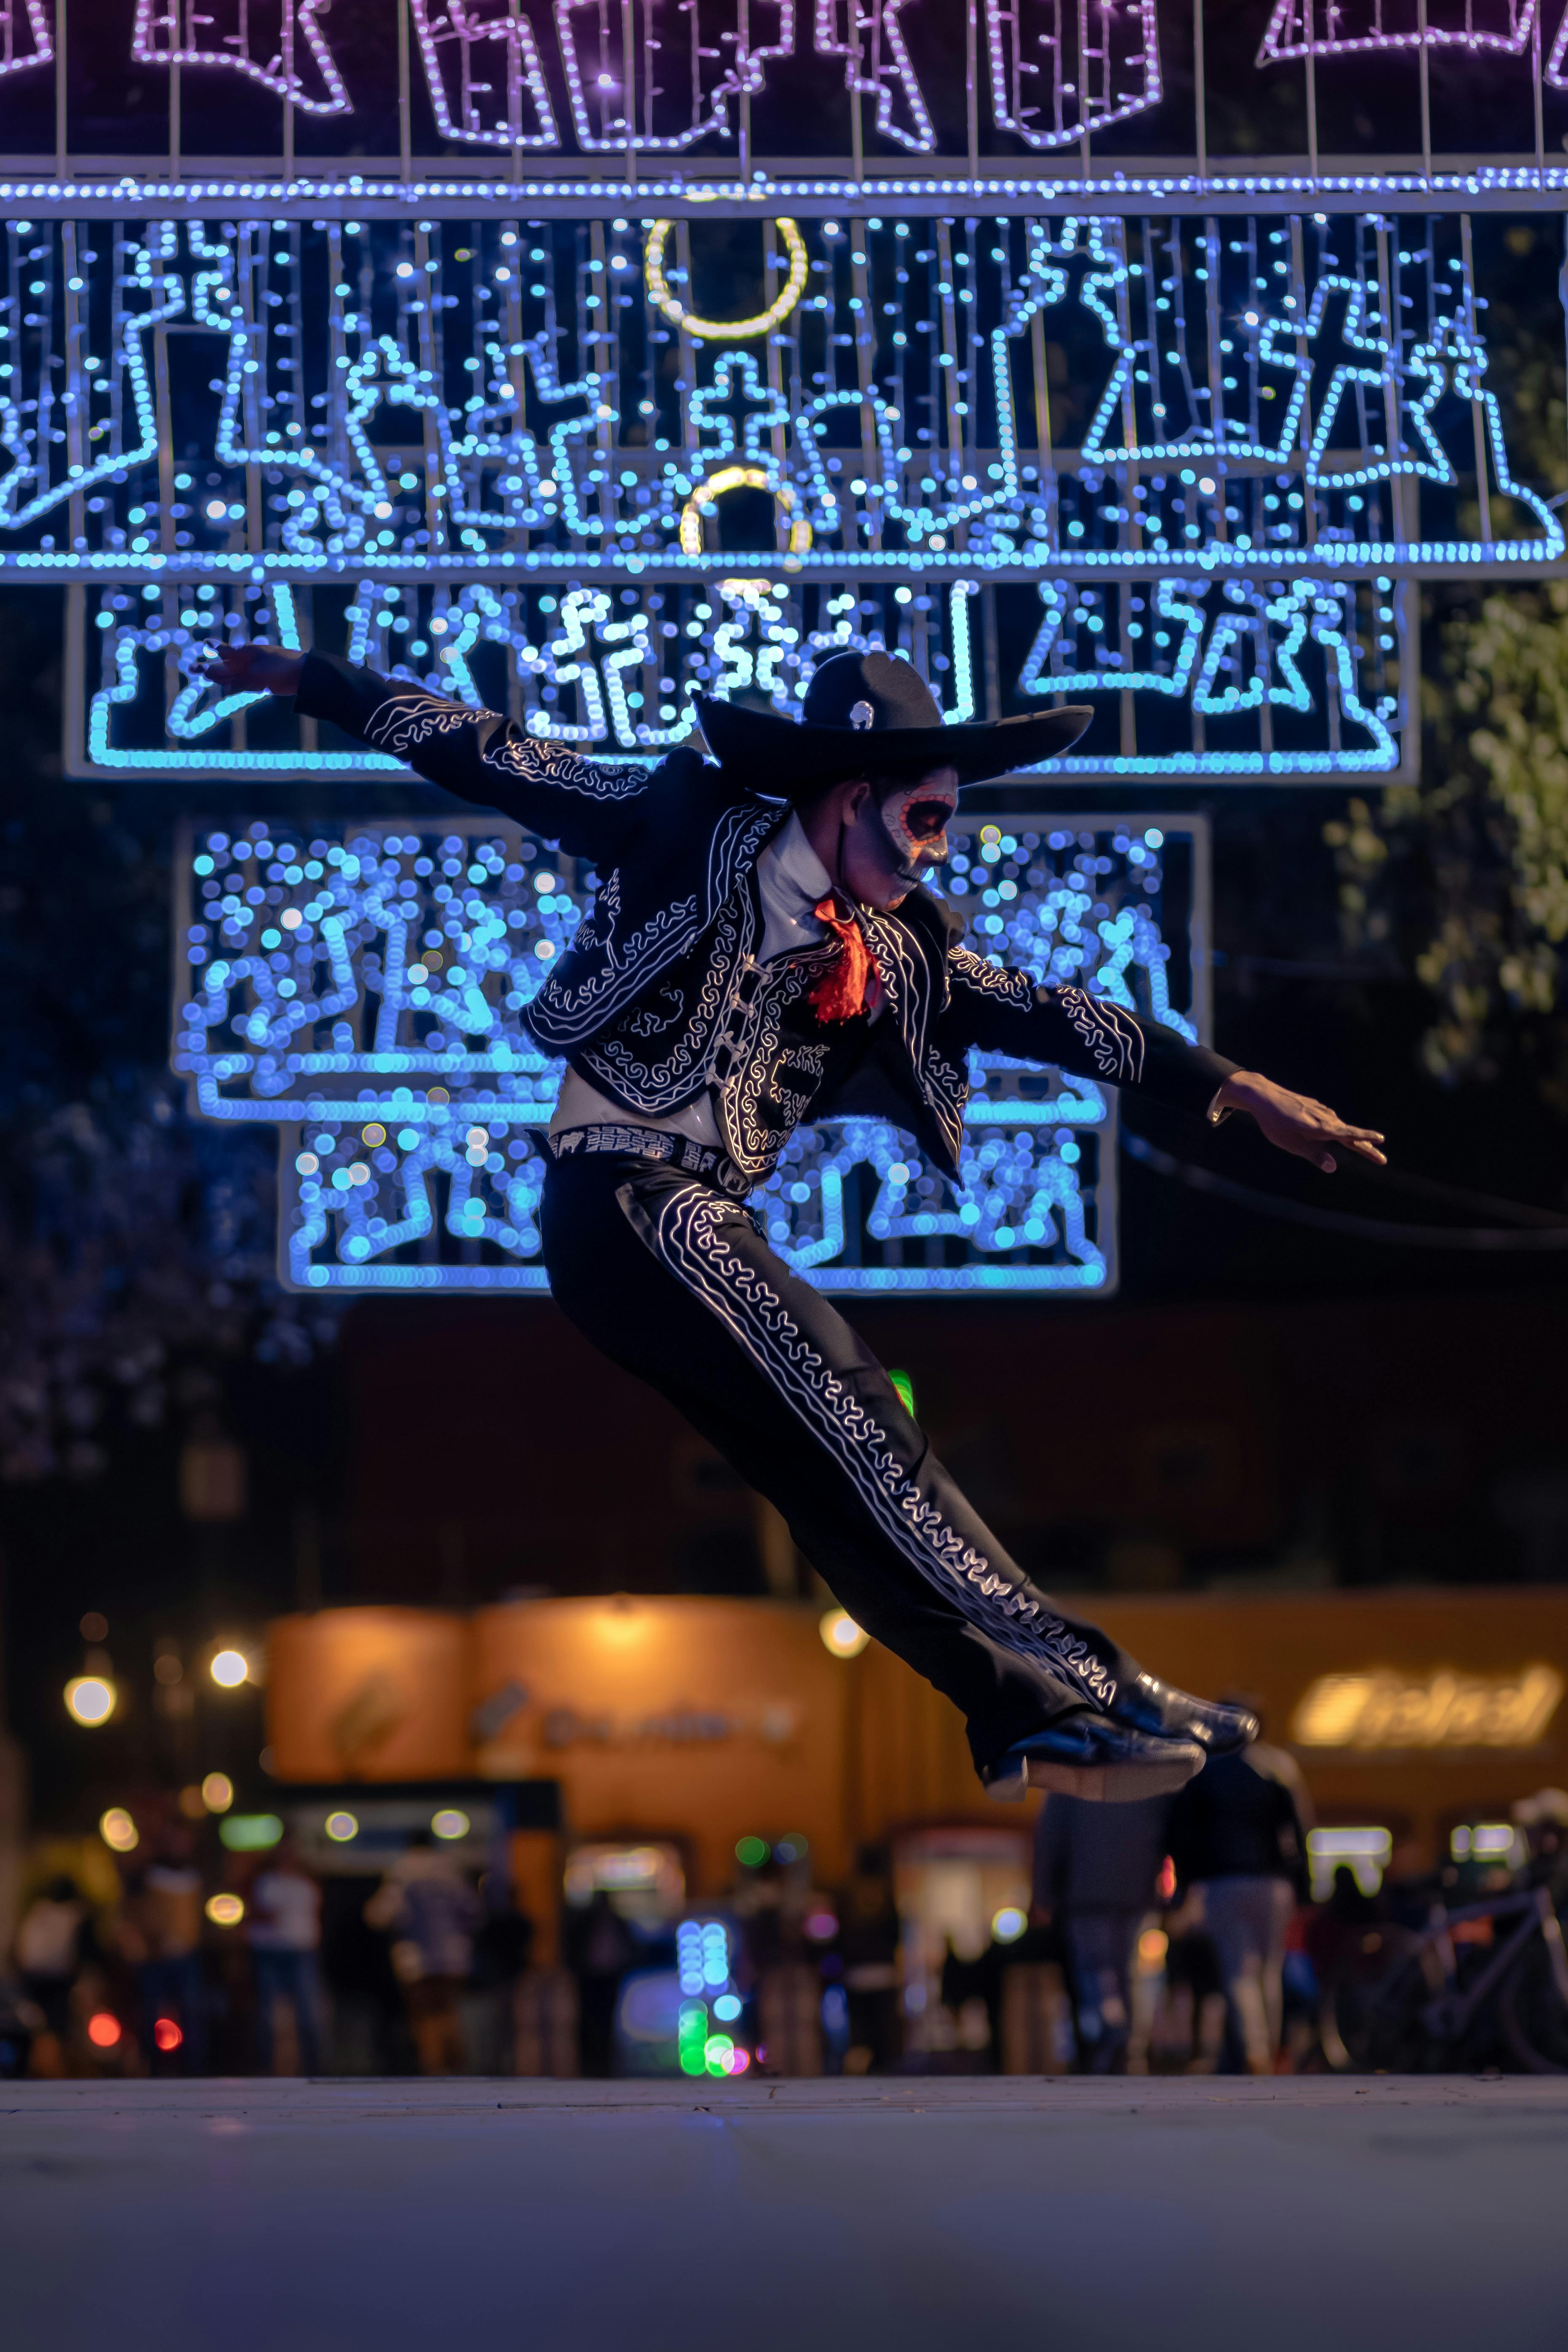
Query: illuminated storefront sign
x,y
1388,1711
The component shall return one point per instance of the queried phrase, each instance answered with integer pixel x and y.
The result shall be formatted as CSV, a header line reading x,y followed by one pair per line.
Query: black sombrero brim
x,y
785,755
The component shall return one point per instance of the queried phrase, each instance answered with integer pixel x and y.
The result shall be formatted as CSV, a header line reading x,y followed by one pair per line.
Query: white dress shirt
x,y
791,880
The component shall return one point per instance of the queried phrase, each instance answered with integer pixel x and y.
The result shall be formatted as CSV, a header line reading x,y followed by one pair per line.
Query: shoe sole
x,y
1100,1784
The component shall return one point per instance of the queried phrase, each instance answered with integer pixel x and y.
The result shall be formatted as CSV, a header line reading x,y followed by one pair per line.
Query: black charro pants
x,y
672,1279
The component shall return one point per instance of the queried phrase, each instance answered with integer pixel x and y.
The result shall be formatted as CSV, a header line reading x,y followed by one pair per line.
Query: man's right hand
x,y
254,669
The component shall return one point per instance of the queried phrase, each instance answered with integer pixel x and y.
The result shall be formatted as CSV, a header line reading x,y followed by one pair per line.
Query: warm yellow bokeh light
x,y
450,1822
90,1699
118,1831
341,1828
225,1910
218,1792
230,1669
841,1634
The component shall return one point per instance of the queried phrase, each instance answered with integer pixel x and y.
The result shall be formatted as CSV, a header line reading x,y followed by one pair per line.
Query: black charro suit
x,y
660,999
660,995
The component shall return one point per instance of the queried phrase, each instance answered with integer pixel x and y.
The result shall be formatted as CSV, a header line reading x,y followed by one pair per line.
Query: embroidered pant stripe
x,y
688,1233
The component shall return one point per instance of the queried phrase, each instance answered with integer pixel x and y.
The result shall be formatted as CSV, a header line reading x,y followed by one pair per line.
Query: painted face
x,y
916,817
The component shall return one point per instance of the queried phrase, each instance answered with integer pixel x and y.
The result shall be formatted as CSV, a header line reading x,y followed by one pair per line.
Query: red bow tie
x,y
851,983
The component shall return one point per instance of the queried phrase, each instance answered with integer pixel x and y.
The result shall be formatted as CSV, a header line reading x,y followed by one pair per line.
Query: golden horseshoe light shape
x,y
723,330
737,477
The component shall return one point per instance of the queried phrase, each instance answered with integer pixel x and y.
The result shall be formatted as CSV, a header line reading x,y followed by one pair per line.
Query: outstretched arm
x,y
1295,1123
1006,1013
585,805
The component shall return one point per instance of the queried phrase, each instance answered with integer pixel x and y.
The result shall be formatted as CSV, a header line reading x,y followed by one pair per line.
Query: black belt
x,y
682,1152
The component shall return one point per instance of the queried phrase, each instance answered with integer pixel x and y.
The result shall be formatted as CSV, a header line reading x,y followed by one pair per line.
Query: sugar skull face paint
x,y
916,817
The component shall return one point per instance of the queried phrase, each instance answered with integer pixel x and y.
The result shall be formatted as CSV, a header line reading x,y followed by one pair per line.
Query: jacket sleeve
x,y
1005,1012
585,807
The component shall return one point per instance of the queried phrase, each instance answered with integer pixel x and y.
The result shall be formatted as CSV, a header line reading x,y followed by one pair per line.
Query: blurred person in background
x,y
284,1932
1096,1873
502,1951
600,1949
1544,1818
1237,1835
433,1913
160,1936
50,1951
868,1935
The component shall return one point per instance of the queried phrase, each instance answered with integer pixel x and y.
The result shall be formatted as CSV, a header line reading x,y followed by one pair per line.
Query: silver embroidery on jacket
x,y
408,717
1115,1042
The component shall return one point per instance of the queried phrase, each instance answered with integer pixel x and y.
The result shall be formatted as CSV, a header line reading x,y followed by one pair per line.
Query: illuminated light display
x,y
1328,29
460,401
659,81
868,35
1230,678
1448,1710
482,70
725,330
367,994
739,478
26,34
1059,70
281,47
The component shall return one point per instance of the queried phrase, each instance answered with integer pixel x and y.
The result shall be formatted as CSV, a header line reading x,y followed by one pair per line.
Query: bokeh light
x,y
250,1833
751,1852
841,1634
118,1831
1153,1946
103,2030
218,1792
167,2033
90,1699
1008,1924
225,1910
341,1827
230,1669
451,1821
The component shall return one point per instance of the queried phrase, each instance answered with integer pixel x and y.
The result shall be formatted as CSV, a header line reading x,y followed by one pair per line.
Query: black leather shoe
x,y
1146,1704
1086,1755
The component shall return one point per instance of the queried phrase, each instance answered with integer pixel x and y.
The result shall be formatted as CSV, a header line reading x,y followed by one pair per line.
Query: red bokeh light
x,y
167,2034
103,2030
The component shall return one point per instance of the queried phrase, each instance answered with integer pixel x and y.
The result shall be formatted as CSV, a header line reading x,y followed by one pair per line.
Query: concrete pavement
x,y
1188,2214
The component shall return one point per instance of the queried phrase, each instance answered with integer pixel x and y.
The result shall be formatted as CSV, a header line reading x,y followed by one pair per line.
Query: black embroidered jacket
x,y
661,994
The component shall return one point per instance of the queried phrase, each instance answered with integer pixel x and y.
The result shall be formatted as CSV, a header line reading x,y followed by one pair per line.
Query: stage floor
x,y
1383,2215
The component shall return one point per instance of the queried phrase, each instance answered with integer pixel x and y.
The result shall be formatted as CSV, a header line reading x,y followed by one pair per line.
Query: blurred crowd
x,y
183,1959
1168,1935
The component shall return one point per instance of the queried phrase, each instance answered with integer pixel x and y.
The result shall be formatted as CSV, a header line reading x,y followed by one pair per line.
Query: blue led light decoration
x,y
1234,677
366,992
465,400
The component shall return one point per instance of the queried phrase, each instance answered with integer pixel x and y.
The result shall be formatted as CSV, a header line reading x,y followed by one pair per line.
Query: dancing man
x,y
761,952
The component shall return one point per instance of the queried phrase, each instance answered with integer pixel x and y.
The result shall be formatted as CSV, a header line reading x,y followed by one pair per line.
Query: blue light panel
x,y
1269,396
365,991
1230,678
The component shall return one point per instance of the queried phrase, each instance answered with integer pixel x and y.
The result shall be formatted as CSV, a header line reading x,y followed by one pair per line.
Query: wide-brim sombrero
x,y
872,713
